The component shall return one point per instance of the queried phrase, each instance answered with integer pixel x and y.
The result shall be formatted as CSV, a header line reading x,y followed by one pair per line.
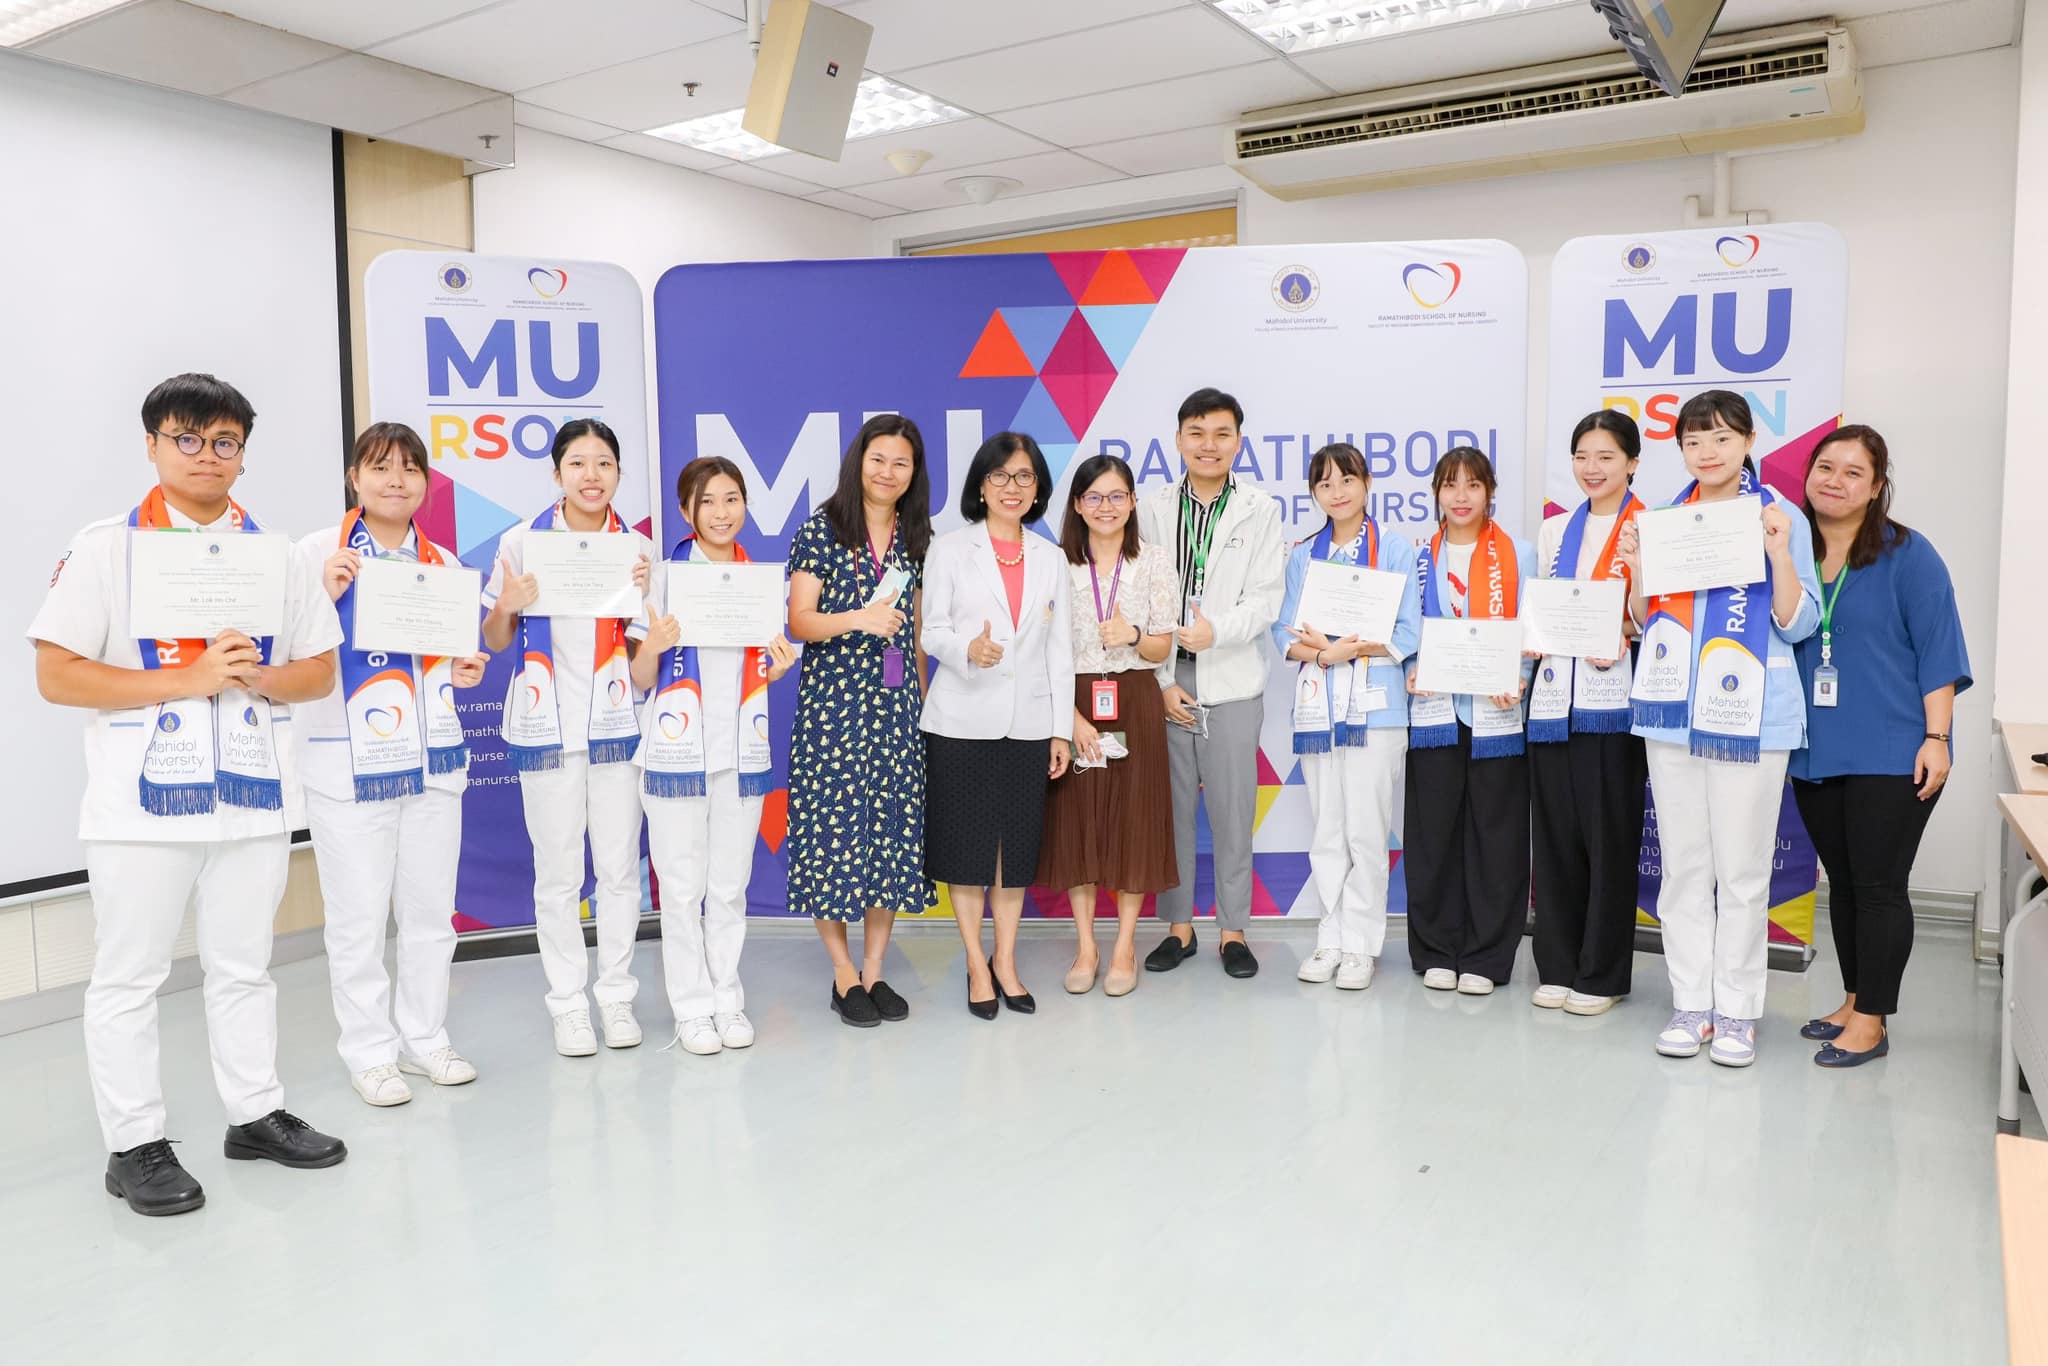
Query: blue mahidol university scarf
x,y
676,744
1566,698
533,712
1493,594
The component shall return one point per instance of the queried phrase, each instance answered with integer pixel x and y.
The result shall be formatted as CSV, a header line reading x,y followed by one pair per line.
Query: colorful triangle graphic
x,y
1078,374
1118,281
996,355
1284,874
1076,269
1041,419
437,514
479,523
1058,455
1263,803
1036,330
1079,397
1117,327
1785,468
1157,265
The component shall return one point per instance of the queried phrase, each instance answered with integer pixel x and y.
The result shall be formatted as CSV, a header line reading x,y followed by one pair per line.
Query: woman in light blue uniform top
x,y
1350,721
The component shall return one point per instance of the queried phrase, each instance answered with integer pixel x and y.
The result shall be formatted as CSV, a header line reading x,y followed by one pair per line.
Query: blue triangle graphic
x,y
1037,329
1117,327
1058,455
1295,777
1040,418
479,523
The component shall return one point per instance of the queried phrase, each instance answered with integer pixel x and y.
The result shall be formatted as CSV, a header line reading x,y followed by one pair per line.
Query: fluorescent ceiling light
x,y
24,21
880,105
1311,25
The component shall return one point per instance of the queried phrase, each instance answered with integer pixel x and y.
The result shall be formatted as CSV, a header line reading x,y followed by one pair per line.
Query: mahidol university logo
x,y
1296,288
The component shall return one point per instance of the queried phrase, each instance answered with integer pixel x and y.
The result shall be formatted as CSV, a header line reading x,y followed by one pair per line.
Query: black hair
x,y
380,438
1718,408
1341,457
1463,460
1074,527
992,456
696,475
913,510
1879,534
1616,424
1202,402
583,426
198,401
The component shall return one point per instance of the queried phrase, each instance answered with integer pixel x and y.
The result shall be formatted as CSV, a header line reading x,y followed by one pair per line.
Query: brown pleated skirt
x,y
1114,826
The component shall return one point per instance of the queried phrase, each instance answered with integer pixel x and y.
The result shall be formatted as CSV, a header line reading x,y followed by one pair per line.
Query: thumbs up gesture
x,y
1199,634
517,592
662,632
982,652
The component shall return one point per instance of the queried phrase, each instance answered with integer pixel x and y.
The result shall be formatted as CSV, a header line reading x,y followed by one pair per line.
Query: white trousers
x,y
702,849
561,805
1718,825
378,861
139,895
1353,794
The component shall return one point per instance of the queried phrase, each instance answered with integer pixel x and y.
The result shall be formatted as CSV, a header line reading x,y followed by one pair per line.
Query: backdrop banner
x,y
486,356
1642,323
1403,348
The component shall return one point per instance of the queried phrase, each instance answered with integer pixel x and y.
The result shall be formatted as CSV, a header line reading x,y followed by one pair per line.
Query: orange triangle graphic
x,y
996,355
1117,281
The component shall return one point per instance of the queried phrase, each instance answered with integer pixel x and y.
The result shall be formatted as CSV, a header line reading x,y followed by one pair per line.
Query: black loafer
x,y
1170,954
888,1004
1820,1031
282,1137
149,1178
856,1007
1238,960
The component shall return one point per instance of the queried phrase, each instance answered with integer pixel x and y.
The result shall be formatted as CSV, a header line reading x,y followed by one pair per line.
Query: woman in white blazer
x,y
999,717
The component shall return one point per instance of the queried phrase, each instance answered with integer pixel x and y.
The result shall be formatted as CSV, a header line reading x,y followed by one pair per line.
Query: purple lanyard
x,y
1094,582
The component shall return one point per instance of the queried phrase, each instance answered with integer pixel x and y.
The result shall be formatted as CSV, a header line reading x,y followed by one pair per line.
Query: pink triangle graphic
x,y
1078,397
1078,374
1076,269
437,514
1784,469
1157,265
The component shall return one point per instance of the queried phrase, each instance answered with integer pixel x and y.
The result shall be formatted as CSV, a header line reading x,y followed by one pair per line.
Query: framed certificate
x,y
1576,617
192,585
733,606
1483,658
403,607
1702,545
583,573
1350,600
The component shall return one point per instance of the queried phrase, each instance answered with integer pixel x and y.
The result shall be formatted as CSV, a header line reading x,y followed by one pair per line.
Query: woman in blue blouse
x,y
1716,699
1882,674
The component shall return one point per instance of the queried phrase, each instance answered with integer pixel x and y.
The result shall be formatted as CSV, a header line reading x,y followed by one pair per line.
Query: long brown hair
x,y
1878,534
1340,457
1074,527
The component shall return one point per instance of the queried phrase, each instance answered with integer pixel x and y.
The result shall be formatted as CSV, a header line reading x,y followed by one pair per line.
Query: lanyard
x,y
1200,548
1116,577
876,555
1827,617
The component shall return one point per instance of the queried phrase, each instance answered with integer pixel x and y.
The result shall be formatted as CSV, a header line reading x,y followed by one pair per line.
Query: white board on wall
x,y
144,233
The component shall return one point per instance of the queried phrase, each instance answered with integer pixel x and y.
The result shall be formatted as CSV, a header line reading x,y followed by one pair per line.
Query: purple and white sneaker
x,y
1687,1033
1734,1042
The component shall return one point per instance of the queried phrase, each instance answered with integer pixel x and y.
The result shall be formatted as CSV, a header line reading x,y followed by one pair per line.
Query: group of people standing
x,y
991,709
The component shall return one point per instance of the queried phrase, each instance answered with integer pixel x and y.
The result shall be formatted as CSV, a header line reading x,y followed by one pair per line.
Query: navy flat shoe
x,y
1820,1031
1832,1056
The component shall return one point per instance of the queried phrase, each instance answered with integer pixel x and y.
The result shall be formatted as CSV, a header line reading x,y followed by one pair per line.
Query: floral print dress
x,y
856,754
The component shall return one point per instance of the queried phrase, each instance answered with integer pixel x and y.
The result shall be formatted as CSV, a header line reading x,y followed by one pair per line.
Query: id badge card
x,y
1102,698
892,667
1826,686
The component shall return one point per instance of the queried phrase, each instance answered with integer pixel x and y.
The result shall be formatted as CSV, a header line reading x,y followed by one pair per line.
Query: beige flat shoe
x,y
1079,983
1120,983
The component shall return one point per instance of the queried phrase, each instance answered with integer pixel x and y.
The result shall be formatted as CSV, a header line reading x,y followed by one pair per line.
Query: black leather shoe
x,y
983,1010
1170,954
888,1004
285,1139
1024,1003
151,1181
1238,960
856,1007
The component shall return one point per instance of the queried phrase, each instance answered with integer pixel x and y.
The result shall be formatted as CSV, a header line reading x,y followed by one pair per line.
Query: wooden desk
x,y
2027,814
2023,1229
2023,740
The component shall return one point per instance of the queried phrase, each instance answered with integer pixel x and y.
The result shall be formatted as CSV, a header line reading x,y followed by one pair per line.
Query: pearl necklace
x,y
1010,564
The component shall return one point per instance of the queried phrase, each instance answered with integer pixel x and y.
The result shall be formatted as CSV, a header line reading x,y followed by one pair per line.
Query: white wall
x,y
1924,197
2022,679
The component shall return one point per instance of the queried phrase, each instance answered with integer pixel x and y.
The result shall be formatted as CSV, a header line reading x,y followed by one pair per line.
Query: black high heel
x,y
982,1010
1023,1002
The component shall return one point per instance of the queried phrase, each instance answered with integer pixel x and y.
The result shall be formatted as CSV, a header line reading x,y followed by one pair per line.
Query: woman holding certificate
x,y
1716,696
708,767
1109,822
1467,802
999,721
1586,770
1350,712
856,757
1883,672
384,766
573,603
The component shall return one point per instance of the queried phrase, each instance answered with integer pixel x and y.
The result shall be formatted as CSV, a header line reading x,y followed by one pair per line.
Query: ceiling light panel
x,y
879,106
24,21
1296,26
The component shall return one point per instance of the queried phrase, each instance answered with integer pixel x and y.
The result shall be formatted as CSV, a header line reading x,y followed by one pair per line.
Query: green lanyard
x,y
1827,616
1200,548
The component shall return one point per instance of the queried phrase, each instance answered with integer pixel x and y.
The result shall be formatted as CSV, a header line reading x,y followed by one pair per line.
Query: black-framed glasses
x,y
1012,479
1115,501
191,443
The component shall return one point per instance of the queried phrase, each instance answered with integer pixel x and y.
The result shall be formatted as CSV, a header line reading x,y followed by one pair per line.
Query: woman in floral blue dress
x,y
856,761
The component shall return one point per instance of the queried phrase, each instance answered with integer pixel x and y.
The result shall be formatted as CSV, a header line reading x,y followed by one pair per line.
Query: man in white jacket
x,y
1233,564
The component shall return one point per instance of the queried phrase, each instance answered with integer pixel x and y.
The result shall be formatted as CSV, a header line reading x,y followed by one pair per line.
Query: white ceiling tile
x,y
567,125
648,92
348,23
359,93
1186,101
1179,42
853,203
525,43
1181,150
460,133
660,149
765,180
1036,174
164,42
1469,49
912,33
964,142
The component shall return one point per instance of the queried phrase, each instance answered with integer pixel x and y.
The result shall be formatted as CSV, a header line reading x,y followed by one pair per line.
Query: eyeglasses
x,y
1113,501
1011,479
191,443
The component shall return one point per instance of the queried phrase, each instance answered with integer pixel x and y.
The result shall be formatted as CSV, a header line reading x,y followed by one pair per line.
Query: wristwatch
x,y
1938,735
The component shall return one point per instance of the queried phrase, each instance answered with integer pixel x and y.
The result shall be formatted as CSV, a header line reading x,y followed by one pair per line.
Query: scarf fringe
x,y
1729,749
613,751
1551,730
255,794
184,799
673,785
1601,721
384,787
1350,736
1496,746
756,784
1433,737
448,759
1660,715
1312,742
534,758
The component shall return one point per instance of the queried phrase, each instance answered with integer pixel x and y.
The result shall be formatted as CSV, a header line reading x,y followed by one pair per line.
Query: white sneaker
x,y
573,1037
1319,966
1579,1003
1688,1032
1355,972
1472,984
1550,998
734,1030
1440,979
697,1036
1734,1042
381,1085
443,1067
621,1030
